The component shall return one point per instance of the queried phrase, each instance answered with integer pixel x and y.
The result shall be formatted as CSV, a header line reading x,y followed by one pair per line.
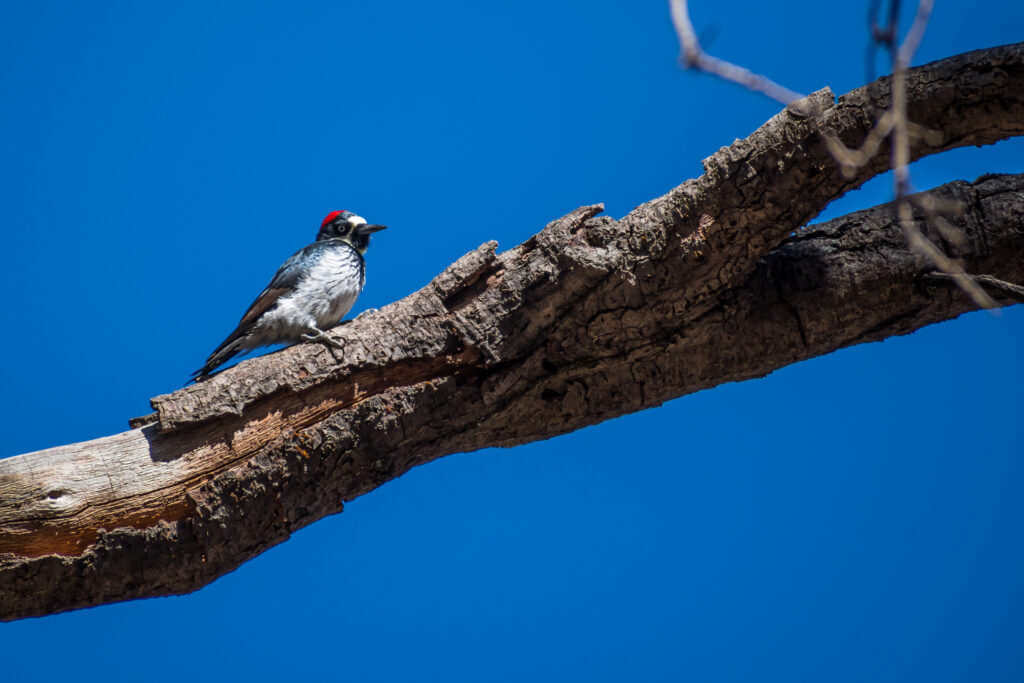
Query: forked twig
x,y
893,124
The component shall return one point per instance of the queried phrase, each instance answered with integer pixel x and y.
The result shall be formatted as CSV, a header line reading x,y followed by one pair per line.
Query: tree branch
x,y
589,319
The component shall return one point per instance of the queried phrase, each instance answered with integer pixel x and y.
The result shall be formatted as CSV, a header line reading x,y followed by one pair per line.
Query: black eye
x,y
343,229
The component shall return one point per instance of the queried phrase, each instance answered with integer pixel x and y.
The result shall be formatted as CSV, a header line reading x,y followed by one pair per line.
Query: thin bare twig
x,y
932,207
879,35
692,56
902,186
912,40
917,242
850,160
893,124
901,129
1004,288
939,205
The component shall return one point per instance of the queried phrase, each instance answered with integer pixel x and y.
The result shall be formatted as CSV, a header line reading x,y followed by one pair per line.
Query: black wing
x,y
284,281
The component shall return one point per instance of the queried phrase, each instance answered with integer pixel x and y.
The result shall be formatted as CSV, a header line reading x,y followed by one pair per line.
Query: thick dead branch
x,y
589,319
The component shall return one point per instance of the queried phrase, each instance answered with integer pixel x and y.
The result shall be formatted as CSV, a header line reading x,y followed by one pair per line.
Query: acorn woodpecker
x,y
310,292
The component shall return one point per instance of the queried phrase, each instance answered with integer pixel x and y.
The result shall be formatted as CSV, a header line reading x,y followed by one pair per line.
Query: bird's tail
x,y
231,347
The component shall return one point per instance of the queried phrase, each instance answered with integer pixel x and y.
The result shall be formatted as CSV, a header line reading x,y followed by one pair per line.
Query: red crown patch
x,y
330,217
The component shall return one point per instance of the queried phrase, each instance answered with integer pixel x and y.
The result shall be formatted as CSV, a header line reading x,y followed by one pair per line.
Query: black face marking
x,y
347,227
361,242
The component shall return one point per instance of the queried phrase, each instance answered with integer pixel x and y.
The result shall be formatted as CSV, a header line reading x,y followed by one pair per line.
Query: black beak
x,y
365,229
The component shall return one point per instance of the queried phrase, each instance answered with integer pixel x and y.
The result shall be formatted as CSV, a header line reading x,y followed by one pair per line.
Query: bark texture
x,y
588,319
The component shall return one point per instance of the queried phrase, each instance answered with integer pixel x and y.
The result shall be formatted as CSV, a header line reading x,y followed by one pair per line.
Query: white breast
x,y
332,286
324,295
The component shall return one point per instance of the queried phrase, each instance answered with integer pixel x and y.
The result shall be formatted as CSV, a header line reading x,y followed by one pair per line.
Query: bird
x,y
310,292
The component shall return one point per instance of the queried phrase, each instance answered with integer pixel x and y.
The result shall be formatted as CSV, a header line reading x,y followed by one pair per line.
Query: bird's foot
x,y
368,311
316,334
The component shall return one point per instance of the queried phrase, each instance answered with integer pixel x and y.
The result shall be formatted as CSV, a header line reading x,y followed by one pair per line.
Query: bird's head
x,y
348,227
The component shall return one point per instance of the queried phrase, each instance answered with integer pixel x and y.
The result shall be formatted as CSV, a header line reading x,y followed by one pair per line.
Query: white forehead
x,y
356,220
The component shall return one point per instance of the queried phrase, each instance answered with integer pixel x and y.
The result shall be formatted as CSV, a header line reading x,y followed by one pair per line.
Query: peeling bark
x,y
588,319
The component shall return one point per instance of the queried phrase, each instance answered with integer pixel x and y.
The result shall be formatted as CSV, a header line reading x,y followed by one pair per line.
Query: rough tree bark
x,y
588,319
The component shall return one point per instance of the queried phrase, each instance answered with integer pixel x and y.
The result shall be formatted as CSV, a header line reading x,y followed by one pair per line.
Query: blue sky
x,y
855,517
